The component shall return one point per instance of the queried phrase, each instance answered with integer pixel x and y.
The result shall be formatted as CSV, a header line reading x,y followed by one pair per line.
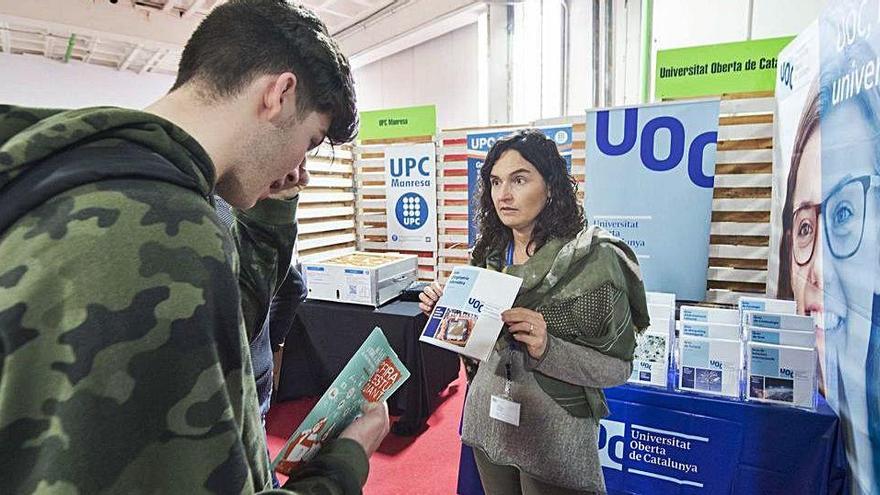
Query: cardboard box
x,y
370,279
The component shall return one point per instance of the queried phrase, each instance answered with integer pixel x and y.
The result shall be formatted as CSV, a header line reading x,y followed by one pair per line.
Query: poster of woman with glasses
x,y
827,213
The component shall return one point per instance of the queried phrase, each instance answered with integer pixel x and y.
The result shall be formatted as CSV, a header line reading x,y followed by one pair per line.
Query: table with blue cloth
x,y
662,442
325,335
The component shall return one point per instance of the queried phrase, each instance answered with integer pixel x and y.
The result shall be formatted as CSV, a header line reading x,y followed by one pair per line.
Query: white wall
x,y
37,81
442,71
683,23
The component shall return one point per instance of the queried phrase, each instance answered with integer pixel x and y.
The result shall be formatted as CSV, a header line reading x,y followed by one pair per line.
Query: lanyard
x,y
511,345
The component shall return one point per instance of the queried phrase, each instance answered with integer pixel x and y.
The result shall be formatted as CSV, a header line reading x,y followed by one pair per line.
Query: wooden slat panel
x,y
745,156
741,216
743,180
748,131
323,212
741,204
732,228
306,244
309,196
736,275
311,228
324,253
740,252
747,105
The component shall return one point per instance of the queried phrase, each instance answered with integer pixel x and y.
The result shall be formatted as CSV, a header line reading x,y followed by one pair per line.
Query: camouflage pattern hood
x,y
124,361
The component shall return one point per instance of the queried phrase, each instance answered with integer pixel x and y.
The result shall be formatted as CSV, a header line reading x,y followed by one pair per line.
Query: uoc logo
x,y
716,364
786,73
649,134
612,438
411,211
476,304
786,372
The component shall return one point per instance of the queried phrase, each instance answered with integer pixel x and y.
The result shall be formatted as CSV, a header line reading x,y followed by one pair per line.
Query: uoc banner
x,y
479,144
411,197
649,180
827,210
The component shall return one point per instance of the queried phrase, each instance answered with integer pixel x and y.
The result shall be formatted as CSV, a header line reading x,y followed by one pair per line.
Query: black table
x,y
325,335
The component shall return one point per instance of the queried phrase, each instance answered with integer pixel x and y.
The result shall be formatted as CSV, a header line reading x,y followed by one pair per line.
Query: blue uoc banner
x,y
649,180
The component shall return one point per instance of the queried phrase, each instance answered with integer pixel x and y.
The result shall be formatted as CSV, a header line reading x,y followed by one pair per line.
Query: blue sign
x,y
410,197
649,181
478,145
699,454
411,211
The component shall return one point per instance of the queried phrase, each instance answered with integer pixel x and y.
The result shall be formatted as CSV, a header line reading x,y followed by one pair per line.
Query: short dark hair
x,y
561,218
244,39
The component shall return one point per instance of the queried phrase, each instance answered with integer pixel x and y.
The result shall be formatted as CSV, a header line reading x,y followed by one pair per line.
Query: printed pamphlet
x,y
467,318
372,375
782,375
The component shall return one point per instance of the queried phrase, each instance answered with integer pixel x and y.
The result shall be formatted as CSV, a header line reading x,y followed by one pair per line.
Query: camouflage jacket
x,y
124,362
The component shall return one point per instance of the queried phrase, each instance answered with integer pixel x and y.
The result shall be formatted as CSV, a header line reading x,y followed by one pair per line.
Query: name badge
x,y
504,410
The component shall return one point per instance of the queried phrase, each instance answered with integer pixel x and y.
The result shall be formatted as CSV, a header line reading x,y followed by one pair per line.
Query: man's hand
x,y
370,429
292,183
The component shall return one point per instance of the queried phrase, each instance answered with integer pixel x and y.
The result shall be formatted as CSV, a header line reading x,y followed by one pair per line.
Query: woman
x,y
828,253
533,408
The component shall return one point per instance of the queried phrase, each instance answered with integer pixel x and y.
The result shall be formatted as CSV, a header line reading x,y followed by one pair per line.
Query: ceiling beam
x,y
5,38
169,4
101,18
91,49
154,60
130,58
191,11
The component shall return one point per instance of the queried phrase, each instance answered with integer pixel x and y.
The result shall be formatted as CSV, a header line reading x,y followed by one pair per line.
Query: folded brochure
x,y
467,318
372,375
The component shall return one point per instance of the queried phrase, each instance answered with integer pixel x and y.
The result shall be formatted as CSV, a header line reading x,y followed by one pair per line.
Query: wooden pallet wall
x,y
371,228
326,212
740,235
740,229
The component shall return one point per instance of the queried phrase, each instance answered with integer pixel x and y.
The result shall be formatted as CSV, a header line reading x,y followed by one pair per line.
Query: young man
x,y
124,363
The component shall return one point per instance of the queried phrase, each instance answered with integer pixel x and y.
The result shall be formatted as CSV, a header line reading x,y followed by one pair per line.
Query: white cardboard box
x,y
781,375
371,279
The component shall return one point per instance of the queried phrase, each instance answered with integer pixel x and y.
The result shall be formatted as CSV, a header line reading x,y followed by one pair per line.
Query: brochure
x,y
779,321
710,366
782,375
781,337
710,315
710,330
372,375
467,318
651,358
747,303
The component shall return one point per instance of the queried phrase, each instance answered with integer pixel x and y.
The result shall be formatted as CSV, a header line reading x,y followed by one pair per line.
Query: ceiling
x,y
43,31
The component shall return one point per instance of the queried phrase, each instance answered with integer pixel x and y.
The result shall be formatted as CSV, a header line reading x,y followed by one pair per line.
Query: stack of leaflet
x,y
651,358
780,359
710,351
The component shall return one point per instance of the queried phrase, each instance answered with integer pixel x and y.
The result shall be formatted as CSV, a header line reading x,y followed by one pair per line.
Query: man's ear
x,y
278,98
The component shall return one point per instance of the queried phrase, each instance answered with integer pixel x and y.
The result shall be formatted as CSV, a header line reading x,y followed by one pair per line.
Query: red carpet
x,y
426,464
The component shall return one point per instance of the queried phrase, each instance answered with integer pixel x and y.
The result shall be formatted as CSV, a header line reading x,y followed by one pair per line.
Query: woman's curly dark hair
x,y
561,218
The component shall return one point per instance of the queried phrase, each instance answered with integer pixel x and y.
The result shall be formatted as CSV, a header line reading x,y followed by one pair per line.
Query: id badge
x,y
505,410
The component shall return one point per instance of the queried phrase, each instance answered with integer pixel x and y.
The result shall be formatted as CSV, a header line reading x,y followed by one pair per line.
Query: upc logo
x,y
612,438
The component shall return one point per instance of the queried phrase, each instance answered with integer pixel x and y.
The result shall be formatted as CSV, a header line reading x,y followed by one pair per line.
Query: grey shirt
x,y
549,444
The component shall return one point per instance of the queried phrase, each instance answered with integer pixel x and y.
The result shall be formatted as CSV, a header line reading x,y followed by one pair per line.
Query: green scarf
x,y
566,276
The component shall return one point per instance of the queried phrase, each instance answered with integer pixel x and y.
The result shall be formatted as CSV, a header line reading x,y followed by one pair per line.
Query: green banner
x,y
712,70
398,122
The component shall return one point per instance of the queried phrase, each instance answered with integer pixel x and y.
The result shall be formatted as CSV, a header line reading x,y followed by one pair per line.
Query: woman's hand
x,y
429,298
528,327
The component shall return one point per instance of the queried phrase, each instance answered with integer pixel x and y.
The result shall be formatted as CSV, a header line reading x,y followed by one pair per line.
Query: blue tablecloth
x,y
662,442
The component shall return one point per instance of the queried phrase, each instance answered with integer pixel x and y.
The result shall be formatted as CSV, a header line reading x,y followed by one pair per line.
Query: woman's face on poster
x,y
851,206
